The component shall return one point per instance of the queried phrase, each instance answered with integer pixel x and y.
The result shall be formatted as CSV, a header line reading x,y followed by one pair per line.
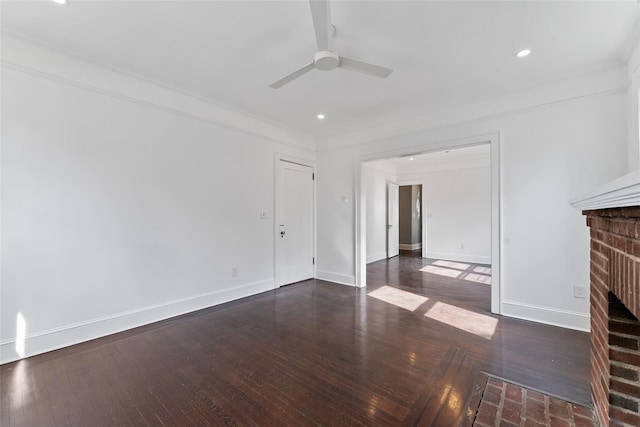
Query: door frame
x,y
277,255
389,184
423,216
360,232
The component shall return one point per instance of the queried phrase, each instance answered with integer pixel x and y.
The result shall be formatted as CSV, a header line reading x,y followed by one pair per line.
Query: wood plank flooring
x,y
314,353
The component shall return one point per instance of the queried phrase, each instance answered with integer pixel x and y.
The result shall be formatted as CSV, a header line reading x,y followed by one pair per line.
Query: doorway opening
x,y
457,213
410,220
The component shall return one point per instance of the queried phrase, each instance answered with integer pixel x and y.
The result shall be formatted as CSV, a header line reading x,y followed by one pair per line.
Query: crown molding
x,y
610,80
44,61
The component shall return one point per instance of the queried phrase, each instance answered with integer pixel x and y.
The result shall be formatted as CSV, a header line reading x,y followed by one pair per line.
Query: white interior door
x,y
393,224
295,223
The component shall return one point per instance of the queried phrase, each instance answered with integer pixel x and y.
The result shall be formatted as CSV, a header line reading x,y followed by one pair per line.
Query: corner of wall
x,y
339,278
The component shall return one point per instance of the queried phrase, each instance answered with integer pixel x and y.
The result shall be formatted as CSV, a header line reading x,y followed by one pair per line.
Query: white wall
x,y
633,112
375,187
458,213
335,197
124,203
557,141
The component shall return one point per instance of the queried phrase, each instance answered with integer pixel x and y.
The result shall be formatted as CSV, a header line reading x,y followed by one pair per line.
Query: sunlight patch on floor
x,y
478,278
468,321
460,270
452,264
398,297
482,270
440,271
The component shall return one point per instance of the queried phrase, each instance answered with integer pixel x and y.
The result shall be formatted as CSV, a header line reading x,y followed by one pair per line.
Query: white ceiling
x,y
443,53
475,156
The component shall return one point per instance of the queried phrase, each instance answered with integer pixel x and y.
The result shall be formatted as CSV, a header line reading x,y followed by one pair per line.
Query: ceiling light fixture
x,y
320,116
410,158
523,53
60,1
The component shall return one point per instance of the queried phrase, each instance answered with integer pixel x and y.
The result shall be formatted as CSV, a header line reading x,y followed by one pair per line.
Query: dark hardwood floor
x,y
407,350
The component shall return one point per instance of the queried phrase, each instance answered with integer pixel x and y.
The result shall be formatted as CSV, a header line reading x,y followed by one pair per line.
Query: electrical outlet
x,y
234,272
580,291
461,245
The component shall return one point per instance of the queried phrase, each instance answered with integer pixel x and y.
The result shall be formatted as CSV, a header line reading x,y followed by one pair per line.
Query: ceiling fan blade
x,y
321,14
364,67
291,76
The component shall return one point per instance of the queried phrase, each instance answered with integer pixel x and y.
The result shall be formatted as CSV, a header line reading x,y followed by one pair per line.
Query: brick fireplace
x,y
613,215
615,308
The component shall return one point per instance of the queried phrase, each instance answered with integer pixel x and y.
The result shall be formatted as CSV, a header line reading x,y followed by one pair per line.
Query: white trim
x,y
360,232
388,207
45,61
621,192
410,246
278,157
475,259
376,257
497,288
605,81
547,315
75,333
339,278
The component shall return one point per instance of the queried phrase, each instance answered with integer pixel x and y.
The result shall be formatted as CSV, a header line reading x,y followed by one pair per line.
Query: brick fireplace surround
x,y
613,216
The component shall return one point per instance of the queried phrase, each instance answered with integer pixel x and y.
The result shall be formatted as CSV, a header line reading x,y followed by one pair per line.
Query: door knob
x,y
282,233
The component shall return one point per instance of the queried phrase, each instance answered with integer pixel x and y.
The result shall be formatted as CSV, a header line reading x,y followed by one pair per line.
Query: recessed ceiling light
x,y
410,158
60,1
523,53
320,116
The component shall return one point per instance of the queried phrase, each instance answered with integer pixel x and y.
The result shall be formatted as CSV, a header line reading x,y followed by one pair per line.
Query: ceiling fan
x,y
324,58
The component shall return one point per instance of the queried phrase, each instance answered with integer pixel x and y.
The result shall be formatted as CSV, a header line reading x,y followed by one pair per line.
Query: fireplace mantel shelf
x,y
613,218
619,193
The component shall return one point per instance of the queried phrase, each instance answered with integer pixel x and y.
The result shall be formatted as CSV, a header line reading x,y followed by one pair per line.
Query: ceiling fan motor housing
x,y
326,60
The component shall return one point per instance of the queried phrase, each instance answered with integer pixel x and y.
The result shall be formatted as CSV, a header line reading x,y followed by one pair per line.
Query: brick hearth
x,y
509,405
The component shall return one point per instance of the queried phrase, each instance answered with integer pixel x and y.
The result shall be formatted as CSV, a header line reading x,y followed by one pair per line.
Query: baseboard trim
x,y
476,259
342,279
410,246
76,333
376,257
547,315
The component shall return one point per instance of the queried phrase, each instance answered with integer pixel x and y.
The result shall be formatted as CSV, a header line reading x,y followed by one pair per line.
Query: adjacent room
x,y
428,217
319,213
